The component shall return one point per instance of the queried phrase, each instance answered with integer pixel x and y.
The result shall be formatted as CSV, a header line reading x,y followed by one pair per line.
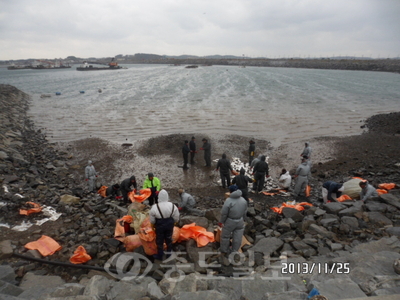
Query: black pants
x,y
164,230
153,197
225,179
207,158
260,180
185,160
250,159
245,194
125,196
192,154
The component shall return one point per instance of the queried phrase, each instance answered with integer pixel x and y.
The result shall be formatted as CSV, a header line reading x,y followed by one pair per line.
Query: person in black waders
x,y
163,215
154,184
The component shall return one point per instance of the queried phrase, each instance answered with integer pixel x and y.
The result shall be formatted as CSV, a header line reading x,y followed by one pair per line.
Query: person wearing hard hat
x,y
90,176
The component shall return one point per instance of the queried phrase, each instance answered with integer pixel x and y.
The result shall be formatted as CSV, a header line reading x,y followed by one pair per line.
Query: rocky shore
x,y
344,250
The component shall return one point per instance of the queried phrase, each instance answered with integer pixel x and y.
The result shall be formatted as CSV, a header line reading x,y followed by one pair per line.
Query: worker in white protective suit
x,y
90,176
302,176
233,213
285,180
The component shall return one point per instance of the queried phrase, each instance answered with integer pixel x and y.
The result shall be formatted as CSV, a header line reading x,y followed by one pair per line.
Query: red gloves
x,y
180,208
220,224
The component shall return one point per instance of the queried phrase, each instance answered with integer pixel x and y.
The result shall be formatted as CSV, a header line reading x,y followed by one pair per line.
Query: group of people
x,y
332,190
129,185
164,214
190,148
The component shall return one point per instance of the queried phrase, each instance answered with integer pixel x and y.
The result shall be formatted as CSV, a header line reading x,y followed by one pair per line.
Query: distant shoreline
x,y
381,65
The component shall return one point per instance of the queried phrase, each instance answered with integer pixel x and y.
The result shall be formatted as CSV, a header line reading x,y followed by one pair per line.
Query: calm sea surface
x,y
277,104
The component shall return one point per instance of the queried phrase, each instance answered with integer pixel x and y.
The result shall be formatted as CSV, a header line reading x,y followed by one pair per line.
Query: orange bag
x,y
35,209
144,194
269,194
102,191
148,238
298,206
381,191
272,194
80,256
132,242
119,233
343,198
308,190
45,245
198,233
176,234
387,186
146,223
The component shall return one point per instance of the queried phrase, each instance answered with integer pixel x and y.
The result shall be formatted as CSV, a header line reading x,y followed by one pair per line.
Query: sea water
x,y
278,104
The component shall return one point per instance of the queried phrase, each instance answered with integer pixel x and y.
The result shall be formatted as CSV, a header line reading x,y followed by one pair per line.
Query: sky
x,y
251,28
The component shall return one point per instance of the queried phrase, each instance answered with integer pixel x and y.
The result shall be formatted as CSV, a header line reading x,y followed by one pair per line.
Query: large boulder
x,y
390,199
393,231
36,286
228,286
334,207
68,199
378,219
97,287
200,221
315,229
259,285
338,288
267,246
197,255
351,221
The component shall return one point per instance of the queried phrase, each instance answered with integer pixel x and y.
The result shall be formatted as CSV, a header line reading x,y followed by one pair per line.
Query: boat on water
x,y
192,67
113,65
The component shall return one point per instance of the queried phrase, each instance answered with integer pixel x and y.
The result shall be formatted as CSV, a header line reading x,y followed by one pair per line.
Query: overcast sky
x,y
267,28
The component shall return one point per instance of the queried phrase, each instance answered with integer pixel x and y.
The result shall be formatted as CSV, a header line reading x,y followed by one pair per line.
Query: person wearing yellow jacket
x,y
154,184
